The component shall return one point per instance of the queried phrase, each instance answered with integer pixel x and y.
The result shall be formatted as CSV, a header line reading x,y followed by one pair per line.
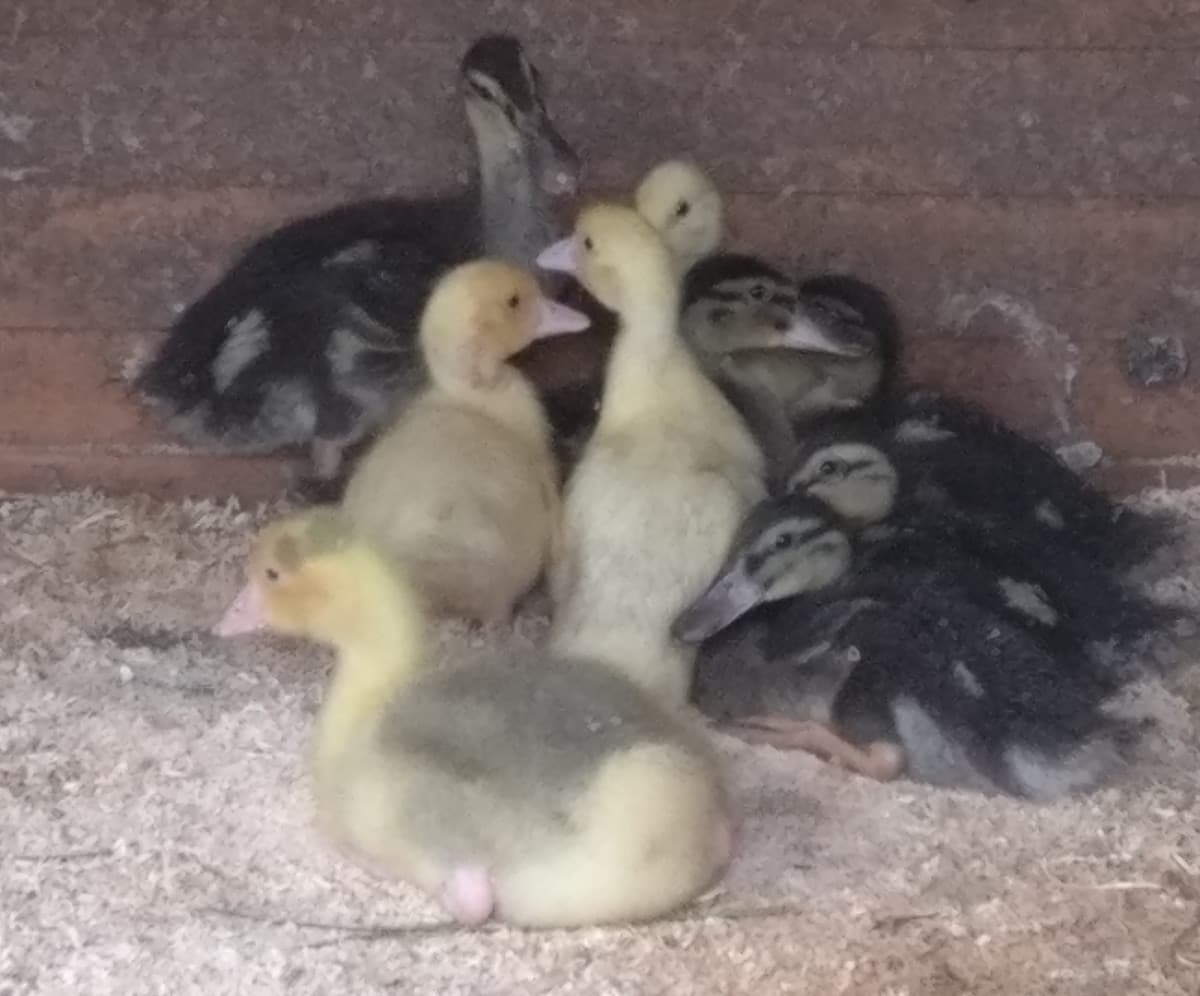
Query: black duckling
x,y
887,669
778,350
309,339
986,465
852,462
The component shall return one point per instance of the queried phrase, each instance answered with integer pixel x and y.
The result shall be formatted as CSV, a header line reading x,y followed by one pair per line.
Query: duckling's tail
x,y
653,833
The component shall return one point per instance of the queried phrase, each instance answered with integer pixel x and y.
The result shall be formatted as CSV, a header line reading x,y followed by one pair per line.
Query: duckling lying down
x,y
545,792
886,671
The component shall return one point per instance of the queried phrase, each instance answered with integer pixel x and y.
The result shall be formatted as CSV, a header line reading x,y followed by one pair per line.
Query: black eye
x,y
827,469
272,574
587,244
681,211
781,325
783,541
758,292
514,302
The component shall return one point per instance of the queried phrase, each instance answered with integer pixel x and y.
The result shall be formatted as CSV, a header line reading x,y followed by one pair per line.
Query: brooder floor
x,y
155,830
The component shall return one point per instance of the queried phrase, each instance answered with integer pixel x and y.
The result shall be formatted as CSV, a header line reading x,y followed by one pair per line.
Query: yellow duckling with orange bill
x,y
463,488
666,477
544,793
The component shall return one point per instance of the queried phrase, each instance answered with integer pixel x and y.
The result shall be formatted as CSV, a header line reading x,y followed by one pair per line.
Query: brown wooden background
x,y
1024,177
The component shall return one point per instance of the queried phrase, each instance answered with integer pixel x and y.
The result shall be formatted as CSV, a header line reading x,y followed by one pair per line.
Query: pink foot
x,y
467,895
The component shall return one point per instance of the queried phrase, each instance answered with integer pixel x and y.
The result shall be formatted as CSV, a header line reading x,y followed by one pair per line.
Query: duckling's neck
x,y
381,651
647,348
517,216
511,401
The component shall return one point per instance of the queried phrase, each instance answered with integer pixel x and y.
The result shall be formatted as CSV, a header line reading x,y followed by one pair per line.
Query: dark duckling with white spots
x,y
979,465
310,338
887,670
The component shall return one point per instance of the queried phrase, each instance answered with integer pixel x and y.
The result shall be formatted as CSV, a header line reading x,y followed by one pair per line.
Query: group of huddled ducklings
x,y
757,519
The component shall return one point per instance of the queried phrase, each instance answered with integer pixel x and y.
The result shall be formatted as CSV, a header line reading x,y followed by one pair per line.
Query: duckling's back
x,y
583,799
467,502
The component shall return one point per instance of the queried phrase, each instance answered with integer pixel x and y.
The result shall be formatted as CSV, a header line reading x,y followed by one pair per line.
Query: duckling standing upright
x,y
684,206
308,339
463,487
546,793
665,478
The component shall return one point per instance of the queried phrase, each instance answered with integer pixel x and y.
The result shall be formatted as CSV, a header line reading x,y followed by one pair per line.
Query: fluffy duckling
x,y
851,462
886,669
463,487
987,466
683,204
666,477
547,794
308,340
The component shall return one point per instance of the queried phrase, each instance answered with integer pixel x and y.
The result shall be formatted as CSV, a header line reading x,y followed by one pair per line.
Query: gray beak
x,y
730,596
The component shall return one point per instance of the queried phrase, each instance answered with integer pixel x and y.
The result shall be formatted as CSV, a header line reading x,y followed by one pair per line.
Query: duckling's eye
x,y
681,211
781,325
758,292
587,244
514,302
827,469
272,574
783,541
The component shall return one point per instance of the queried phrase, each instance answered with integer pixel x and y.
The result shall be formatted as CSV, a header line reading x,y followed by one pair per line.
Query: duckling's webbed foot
x,y
880,760
468,895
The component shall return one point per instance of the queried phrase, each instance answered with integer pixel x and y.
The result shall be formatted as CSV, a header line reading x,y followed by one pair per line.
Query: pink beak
x,y
555,319
247,614
563,256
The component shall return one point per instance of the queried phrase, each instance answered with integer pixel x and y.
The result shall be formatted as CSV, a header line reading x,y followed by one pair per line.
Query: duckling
x,y
683,204
544,793
886,669
679,199
851,462
308,340
995,469
463,487
666,476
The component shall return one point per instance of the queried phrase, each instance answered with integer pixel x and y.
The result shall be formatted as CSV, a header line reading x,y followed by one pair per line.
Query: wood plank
x,y
67,393
168,476
717,23
1086,270
155,112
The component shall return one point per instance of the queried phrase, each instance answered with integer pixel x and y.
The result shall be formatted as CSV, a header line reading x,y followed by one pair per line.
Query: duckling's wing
x,y
271,319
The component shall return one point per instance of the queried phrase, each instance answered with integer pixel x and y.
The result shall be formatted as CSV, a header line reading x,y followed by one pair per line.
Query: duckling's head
x,y
482,313
733,302
684,205
308,576
843,461
505,103
616,254
786,547
859,315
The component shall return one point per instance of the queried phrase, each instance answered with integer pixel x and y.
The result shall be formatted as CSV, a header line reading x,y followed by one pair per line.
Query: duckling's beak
x,y
247,614
556,319
729,598
562,257
806,334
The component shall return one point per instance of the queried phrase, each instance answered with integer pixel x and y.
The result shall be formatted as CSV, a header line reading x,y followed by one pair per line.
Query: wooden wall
x,y
1023,176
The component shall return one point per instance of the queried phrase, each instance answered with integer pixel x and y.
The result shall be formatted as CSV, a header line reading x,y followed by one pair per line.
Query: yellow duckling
x,y
683,204
666,477
545,793
463,487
